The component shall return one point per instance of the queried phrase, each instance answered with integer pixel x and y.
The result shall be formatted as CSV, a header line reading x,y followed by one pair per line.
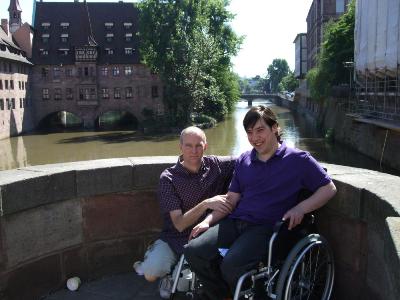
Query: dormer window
x,y
109,51
128,37
109,25
64,37
128,51
44,52
63,52
45,25
109,37
64,25
45,37
127,25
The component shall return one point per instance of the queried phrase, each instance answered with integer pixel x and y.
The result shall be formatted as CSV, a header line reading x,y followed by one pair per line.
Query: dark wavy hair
x,y
261,112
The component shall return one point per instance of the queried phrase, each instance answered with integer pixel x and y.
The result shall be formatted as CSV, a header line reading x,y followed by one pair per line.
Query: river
x,y
228,138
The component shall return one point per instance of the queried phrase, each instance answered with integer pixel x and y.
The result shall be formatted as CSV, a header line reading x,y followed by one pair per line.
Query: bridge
x,y
251,97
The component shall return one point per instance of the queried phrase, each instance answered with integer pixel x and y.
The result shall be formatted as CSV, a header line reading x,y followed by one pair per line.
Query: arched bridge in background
x,y
251,97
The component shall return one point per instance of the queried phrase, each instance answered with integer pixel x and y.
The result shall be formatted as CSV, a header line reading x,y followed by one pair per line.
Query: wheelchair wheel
x,y
308,271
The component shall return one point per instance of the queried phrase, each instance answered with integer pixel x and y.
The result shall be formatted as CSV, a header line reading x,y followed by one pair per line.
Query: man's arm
x,y
215,216
320,197
217,203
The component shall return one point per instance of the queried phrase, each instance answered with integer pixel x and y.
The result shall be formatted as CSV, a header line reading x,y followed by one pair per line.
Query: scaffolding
x,y
376,95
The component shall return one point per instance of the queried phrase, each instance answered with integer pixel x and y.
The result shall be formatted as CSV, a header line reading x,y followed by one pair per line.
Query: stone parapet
x,y
95,218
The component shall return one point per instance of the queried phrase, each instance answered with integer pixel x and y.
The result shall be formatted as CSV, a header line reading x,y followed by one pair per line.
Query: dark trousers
x,y
247,244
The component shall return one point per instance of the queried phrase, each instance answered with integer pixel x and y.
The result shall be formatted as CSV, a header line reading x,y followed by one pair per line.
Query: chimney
x,y
4,25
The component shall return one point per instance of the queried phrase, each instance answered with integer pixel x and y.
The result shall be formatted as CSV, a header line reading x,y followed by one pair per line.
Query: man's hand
x,y
199,228
219,203
295,216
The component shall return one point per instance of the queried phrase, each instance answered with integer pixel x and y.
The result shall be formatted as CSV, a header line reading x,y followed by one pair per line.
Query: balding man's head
x,y
193,130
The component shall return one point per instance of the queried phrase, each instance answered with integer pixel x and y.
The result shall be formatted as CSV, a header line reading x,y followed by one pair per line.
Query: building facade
x,y
320,12
86,62
15,102
300,68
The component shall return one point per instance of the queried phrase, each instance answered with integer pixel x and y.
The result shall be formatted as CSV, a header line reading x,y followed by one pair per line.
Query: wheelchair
x,y
299,265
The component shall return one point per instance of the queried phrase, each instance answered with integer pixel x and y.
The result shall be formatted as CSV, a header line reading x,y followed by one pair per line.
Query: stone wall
x,y
95,218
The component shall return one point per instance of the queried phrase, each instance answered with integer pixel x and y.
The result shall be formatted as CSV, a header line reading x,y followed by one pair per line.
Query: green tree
x,y
289,82
190,44
276,71
337,48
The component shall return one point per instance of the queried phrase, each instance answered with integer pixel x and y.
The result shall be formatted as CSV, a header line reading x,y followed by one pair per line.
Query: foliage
x,y
289,82
202,118
276,71
337,48
190,44
251,85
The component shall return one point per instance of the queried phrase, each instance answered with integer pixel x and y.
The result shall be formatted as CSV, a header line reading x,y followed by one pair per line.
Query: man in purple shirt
x,y
195,184
264,189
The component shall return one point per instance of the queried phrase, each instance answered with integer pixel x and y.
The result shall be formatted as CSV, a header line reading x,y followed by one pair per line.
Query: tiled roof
x,y
79,31
9,50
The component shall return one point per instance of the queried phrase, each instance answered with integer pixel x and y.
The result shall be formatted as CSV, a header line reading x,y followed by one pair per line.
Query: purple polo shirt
x,y
181,189
269,189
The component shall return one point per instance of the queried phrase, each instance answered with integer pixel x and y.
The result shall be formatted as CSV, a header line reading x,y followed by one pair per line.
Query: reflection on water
x,y
228,138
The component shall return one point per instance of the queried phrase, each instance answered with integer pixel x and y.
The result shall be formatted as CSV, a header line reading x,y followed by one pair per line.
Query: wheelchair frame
x,y
288,280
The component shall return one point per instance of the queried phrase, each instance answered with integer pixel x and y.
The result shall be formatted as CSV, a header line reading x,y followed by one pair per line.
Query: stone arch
x,y
49,120
124,118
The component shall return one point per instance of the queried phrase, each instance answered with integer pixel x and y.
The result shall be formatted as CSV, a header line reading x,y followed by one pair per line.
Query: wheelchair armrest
x,y
308,219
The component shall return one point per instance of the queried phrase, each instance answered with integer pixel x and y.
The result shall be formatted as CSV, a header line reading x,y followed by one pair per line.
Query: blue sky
x,y
269,26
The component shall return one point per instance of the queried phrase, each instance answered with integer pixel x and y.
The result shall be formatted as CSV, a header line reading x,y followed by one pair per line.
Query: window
x,y
21,104
6,84
57,94
45,37
64,37
117,93
13,103
128,92
339,6
11,84
109,51
154,91
45,25
56,72
63,52
1,104
128,70
69,94
115,71
87,93
45,94
105,93
1,84
8,104
127,25
64,25
128,51
45,72
128,37
104,71
86,71
44,52
68,73
19,85
109,25
109,37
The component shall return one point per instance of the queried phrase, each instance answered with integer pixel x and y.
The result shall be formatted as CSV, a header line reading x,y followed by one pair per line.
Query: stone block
x,y
116,256
113,216
74,263
46,229
104,176
24,189
147,170
32,281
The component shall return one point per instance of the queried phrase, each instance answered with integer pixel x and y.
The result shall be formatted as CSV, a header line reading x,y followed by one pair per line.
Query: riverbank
x,y
377,140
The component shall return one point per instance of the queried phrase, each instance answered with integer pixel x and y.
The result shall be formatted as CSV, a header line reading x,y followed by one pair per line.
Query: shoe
x,y
138,268
165,287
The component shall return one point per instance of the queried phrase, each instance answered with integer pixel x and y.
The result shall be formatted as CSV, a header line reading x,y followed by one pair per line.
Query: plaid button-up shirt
x,y
181,189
